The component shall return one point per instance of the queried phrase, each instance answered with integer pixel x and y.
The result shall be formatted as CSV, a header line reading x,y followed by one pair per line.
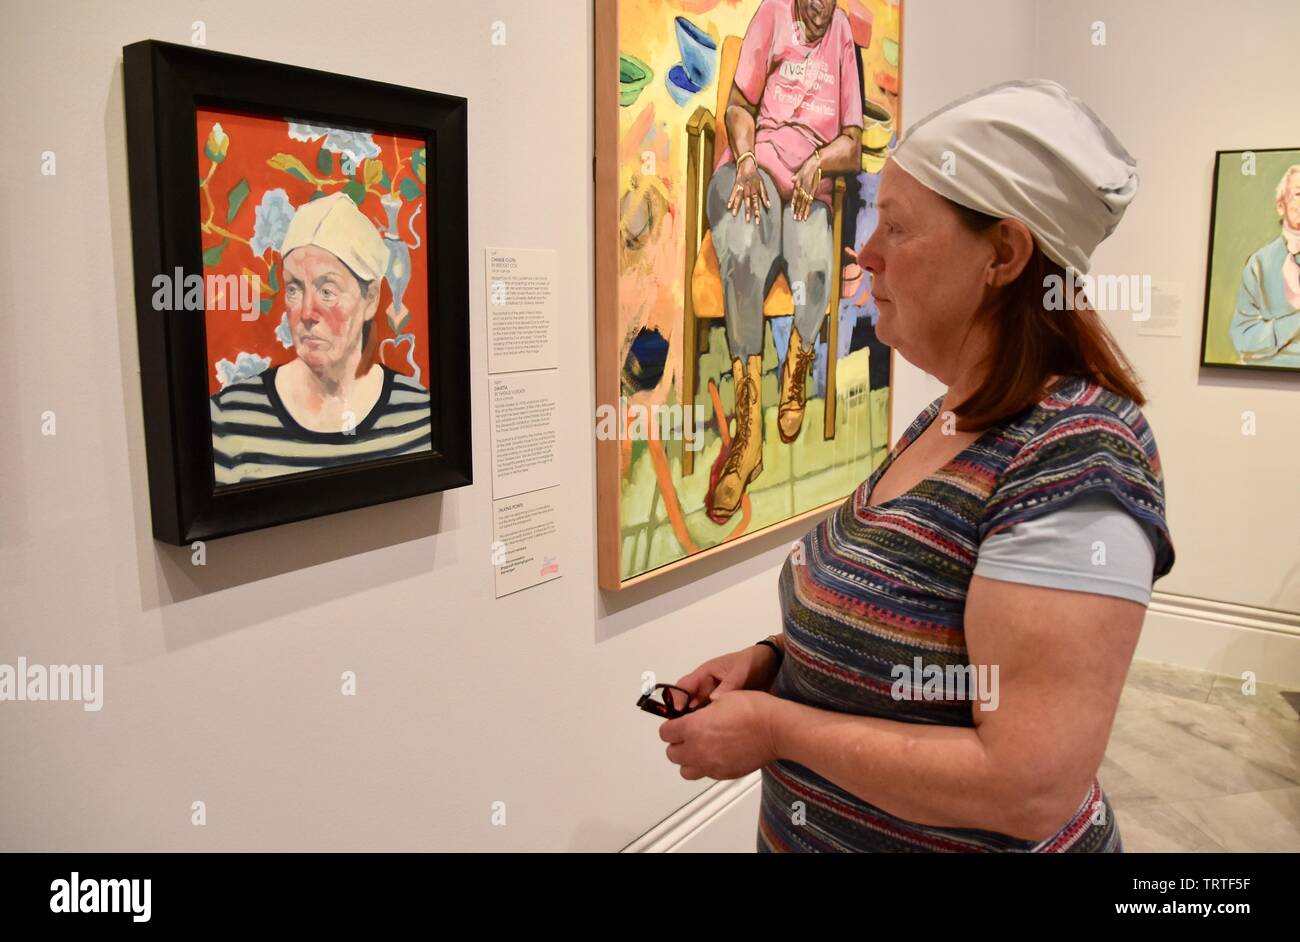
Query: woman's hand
x,y
806,182
748,191
750,668
729,738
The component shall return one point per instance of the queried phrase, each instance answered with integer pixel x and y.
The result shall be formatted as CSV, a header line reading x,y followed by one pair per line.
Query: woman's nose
x,y
870,259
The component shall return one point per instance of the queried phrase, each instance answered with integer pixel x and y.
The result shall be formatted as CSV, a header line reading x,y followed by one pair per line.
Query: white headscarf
x,y
335,224
1029,150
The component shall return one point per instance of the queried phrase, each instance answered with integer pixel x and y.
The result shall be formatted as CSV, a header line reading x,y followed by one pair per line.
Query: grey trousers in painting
x,y
751,256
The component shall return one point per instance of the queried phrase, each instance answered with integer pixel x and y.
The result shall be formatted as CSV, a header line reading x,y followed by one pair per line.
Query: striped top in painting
x,y
255,437
880,586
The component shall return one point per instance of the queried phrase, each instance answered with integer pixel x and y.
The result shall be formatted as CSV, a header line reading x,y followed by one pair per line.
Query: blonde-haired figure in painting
x,y
793,119
1265,326
334,403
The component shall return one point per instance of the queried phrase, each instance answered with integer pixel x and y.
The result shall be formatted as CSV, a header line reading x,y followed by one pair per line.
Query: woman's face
x,y
1289,204
326,307
817,13
927,273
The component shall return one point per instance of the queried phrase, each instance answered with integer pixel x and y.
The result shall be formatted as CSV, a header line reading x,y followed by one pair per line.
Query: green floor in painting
x,y
810,472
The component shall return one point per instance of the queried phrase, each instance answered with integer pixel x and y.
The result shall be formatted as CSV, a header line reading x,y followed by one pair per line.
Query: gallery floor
x,y
1196,765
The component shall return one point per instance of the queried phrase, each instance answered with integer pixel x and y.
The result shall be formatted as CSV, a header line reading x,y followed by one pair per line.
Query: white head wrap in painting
x,y
334,223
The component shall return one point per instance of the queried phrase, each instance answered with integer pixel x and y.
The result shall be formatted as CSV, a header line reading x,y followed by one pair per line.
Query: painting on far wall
x,y
1252,293
740,382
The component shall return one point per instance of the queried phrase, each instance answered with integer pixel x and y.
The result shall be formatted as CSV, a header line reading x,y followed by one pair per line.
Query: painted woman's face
x,y
817,13
1289,204
326,307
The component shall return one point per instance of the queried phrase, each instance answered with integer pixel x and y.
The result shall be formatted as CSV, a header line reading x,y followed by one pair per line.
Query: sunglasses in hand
x,y
673,702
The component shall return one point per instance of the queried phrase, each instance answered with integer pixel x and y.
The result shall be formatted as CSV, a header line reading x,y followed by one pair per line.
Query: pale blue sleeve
x,y
1091,545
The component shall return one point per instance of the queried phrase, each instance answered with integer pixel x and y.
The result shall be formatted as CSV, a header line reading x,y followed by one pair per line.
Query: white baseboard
x,y
1222,637
721,819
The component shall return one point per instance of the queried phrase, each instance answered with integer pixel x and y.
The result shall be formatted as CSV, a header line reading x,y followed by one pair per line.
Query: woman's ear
x,y
372,299
1013,246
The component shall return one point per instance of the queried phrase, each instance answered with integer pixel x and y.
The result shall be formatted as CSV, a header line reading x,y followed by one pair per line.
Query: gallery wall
x,y
222,682
1175,90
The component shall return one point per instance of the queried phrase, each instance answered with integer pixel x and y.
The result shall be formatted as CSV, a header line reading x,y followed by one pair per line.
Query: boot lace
x,y
746,397
802,361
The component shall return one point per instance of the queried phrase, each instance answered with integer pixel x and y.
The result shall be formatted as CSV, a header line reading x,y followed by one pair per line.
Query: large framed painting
x,y
740,384
301,283
1252,289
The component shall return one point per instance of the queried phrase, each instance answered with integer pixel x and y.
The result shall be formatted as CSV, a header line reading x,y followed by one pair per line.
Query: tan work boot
x,y
745,459
794,374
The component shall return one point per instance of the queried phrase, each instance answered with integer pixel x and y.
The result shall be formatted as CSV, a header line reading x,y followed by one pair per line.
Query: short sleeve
x,y
1092,545
1085,450
756,53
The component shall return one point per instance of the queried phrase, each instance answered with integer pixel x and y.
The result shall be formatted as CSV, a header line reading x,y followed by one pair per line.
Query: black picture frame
x,y
1219,155
165,84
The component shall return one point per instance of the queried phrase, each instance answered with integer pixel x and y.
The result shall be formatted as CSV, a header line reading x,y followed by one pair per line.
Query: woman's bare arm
x,y
1022,770
740,122
843,154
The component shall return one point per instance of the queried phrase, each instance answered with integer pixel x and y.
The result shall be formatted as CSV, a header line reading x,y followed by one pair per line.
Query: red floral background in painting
x,y
243,159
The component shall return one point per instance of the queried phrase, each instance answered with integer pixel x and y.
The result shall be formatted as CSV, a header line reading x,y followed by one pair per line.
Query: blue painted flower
x,y
283,332
355,146
246,366
271,221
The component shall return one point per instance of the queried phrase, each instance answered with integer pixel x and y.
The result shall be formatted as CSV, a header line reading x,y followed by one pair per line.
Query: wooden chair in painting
x,y
706,135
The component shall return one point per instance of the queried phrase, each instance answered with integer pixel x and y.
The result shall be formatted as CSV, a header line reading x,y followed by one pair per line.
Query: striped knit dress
x,y
875,587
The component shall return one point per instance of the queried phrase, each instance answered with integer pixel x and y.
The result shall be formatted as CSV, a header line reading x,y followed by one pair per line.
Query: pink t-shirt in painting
x,y
806,92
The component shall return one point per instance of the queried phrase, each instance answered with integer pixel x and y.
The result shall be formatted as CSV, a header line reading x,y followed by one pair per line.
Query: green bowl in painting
x,y
633,76
890,48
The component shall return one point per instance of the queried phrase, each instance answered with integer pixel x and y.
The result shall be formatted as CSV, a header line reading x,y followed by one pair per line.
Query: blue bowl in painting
x,y
699,52
680,85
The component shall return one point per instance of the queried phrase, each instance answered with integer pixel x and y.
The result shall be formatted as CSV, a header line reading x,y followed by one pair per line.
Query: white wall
x,y
1177,81
222,683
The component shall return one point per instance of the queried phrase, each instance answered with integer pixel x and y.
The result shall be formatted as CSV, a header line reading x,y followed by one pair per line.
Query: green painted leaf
x,y
409,189
356,190
213,255
299,174
274,281
324,161
384,182
417,163
235,199
317,195
264,305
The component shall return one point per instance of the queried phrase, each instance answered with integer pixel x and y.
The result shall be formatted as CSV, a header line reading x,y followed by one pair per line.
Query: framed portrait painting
x,y
740,383
301,281
1252,290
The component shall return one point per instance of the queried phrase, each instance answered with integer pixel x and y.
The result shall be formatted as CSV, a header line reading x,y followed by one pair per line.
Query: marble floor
x,y
1194,764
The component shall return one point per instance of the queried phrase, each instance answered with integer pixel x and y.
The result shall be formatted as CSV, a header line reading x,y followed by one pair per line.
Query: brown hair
x,y
1030,343
370,329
